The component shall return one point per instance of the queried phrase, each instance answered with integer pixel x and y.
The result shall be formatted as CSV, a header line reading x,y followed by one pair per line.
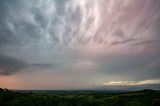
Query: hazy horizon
x,y
79,44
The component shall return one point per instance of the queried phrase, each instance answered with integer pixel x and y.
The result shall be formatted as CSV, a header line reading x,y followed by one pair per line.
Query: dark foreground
x,y
79,98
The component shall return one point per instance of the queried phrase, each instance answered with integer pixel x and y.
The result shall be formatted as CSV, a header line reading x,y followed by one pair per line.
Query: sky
x,y
79,44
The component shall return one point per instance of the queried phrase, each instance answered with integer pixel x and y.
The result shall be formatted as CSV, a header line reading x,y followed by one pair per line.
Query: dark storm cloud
x,y
9,65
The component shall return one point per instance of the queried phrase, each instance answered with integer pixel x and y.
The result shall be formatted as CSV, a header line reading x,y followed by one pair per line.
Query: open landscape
x,y
79,98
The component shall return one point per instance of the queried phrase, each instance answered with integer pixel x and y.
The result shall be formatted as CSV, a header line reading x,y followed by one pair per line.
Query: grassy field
x,y
79,98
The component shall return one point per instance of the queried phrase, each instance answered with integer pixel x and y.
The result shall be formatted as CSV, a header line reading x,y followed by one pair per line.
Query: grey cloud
x,y
25,23
119,33
44,65
132,67
154,67
122,42
61,6
9,65
22,23
135,87
49,34
147,42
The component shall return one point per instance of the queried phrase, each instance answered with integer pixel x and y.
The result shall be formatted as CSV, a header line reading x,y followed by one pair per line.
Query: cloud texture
x,y
100,40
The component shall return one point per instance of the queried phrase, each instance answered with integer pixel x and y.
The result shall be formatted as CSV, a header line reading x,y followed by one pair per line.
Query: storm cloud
x,y
98,40
9,65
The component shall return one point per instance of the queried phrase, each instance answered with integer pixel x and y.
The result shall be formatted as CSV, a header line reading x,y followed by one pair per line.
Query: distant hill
x,y
146,97
129,87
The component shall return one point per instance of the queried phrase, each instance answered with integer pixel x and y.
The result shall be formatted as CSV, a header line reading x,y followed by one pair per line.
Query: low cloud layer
x,y
9,65
130,83
101,39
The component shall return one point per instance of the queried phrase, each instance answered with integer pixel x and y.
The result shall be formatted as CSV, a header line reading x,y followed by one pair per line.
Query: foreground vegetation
x,y
137,98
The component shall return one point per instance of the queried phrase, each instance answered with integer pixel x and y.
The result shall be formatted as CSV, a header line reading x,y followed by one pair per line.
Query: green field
x,y
79,98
